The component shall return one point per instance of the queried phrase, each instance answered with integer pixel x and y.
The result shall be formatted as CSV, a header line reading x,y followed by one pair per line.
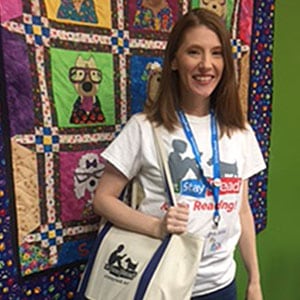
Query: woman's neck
x,y
198,108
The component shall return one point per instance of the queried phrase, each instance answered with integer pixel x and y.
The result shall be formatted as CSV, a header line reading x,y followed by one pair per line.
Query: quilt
x,y
72,74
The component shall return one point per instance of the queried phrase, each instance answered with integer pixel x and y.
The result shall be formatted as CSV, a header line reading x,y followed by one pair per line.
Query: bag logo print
x,y
121,265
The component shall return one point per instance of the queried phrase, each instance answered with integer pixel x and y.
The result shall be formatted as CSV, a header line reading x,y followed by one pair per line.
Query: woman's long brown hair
x,y
224,99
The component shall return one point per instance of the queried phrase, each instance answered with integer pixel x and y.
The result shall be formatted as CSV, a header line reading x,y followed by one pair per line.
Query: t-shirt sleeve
x,y
254,160
124,152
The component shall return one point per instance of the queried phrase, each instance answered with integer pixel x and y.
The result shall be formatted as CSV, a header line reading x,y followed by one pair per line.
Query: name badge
x,y
214,242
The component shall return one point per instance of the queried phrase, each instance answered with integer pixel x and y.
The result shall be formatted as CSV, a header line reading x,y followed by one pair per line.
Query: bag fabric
x,y
128,265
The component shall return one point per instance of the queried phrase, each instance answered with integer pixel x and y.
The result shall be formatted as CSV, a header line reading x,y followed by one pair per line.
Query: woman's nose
x,y
205,61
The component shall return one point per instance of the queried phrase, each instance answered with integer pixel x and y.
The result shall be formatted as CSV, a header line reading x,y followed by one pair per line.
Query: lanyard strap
x,y
216,182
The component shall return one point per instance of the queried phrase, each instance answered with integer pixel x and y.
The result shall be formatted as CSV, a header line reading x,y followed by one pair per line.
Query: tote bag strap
x,y
164,163
160,251
155,260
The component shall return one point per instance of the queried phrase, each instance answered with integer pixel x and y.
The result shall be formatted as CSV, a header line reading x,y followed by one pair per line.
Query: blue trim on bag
x,y
157,256
89,266
151,268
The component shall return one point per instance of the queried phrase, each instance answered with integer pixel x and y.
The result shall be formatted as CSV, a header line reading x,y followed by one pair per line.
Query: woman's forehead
x,y
200,34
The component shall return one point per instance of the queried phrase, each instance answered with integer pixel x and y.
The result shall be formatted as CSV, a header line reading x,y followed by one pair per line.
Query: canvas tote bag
x,y
130,266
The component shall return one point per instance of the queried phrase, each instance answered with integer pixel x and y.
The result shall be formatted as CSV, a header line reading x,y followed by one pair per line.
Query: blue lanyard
x,y
215,185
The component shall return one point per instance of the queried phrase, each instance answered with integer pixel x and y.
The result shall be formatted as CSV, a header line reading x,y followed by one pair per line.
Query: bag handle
x,y
164,162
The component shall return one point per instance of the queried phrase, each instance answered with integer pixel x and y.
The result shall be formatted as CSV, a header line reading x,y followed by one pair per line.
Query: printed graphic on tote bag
x,y
121,265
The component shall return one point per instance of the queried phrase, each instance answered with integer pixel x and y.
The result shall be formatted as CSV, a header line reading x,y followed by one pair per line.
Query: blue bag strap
x,y
150,269
155,260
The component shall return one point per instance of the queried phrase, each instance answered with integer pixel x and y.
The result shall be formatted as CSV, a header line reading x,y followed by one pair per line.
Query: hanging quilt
x,y
72,73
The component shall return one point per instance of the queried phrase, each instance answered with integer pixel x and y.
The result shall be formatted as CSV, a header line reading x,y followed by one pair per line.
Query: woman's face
x,y
199,62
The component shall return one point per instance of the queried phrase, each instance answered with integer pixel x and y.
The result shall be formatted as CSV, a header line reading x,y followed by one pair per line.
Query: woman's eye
x,y
217,53
193,52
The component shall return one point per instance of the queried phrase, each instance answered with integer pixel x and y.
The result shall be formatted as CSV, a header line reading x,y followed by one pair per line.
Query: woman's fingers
x,y
177,219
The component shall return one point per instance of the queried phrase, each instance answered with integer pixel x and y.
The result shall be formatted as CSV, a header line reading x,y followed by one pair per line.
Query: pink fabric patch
x,y
75,205
10,9
87,103
245,21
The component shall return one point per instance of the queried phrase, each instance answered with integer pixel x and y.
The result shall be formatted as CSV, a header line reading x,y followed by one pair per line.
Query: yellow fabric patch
x,y
51,234
37,30
102,11
26,189
47,140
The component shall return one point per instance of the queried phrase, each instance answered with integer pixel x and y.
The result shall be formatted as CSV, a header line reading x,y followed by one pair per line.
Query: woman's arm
x,y
107,204
247,246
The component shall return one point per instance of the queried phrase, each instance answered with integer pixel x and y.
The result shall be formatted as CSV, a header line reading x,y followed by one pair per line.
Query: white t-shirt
x,y
133,153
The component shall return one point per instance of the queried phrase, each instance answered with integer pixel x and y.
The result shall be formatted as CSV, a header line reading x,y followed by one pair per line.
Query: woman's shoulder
x,y
245,134
249,129
138,123
139,119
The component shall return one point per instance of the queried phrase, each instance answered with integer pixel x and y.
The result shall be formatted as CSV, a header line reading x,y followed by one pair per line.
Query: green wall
x,y
279,243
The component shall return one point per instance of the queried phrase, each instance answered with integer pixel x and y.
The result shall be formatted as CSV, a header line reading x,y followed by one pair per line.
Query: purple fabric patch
x,y
18,84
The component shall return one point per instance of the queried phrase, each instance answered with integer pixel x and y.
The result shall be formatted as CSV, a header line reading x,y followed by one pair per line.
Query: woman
x,y
203,129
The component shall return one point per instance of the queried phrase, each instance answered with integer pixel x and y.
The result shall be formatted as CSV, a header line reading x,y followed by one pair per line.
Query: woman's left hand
x,y
176,219
254,291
